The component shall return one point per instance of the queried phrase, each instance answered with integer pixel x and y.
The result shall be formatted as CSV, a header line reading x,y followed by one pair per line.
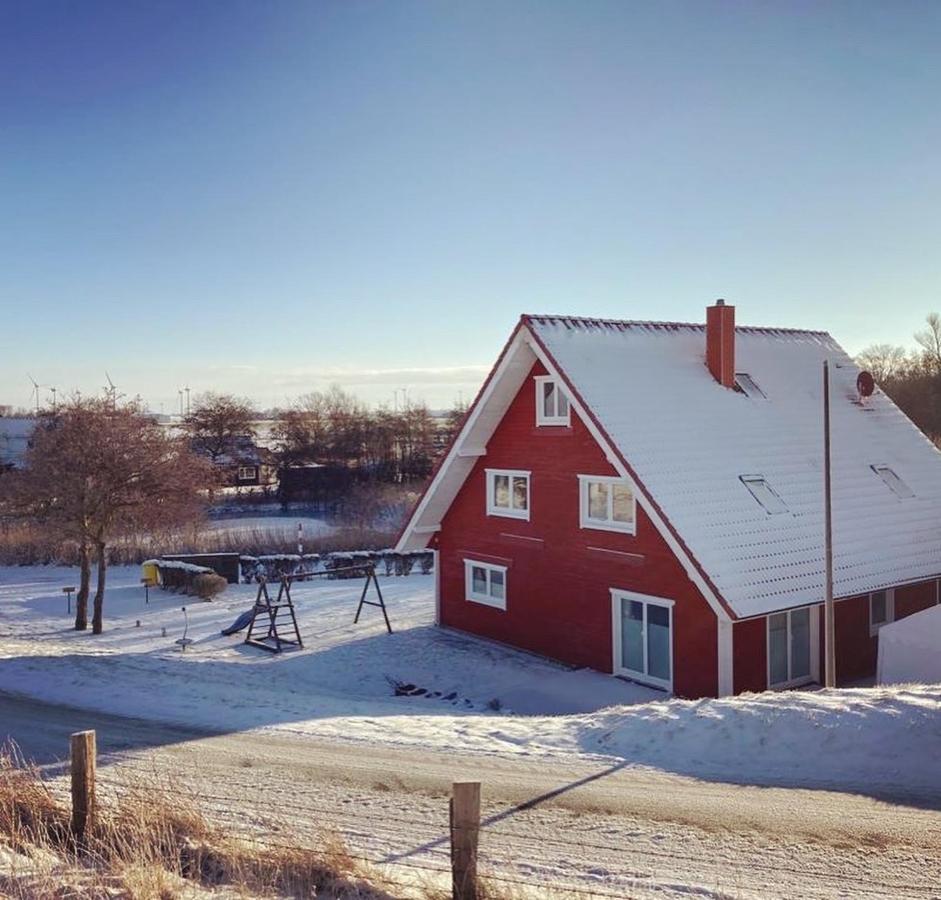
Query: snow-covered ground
x,y
477,696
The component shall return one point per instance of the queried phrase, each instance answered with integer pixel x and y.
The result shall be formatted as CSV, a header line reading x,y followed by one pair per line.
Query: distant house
x,y
646,499
15,434
244,464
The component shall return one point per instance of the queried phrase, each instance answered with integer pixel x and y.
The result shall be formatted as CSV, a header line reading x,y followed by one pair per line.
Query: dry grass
x,y
147,845
24,544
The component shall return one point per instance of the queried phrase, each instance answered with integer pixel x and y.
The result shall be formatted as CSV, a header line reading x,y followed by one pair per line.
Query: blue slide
x,y
240,623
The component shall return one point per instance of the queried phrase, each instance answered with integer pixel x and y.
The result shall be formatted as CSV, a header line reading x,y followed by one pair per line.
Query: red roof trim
x,y
626,464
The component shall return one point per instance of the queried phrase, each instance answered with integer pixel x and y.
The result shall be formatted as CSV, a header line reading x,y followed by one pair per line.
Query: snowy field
x,y
474,695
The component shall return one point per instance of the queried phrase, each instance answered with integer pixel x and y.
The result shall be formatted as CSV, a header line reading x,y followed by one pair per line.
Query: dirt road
x,y
595,826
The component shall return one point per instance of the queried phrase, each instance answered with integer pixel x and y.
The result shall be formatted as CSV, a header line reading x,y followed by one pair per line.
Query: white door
x,y
643,638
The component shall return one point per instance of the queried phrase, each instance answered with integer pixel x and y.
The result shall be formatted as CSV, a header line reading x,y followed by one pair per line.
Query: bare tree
x,y
930,341
884,361
95,470
220,425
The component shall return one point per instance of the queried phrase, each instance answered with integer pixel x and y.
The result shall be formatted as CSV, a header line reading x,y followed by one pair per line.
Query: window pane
x,y
497,584
878,608
658,641
623,503
501,491
563,402
632,635
520,498
597,500
777,647
479,581
800,643
548,399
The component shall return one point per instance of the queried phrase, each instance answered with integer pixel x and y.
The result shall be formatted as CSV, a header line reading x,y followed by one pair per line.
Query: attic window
x,y
894,483
552,404
748,386
761,491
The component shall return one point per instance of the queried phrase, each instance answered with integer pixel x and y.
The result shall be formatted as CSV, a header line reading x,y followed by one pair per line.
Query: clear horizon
x,y
267,199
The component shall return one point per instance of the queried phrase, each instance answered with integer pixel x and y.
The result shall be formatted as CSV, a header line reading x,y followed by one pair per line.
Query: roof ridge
x,y
623,324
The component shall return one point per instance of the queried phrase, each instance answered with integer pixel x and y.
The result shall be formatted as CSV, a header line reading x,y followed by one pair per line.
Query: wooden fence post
x,y
465,828
82,746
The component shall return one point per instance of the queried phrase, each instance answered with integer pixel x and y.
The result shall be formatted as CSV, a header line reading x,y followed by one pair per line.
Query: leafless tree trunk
x,y
81,599
97,622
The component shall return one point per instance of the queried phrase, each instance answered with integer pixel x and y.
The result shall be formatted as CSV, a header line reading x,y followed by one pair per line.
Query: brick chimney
x,y
720,342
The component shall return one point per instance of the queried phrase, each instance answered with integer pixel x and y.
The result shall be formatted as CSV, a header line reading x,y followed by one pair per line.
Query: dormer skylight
x,y
762,492
748,386
893,482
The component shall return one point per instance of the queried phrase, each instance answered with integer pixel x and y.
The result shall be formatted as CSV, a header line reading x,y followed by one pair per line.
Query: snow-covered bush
x,y
208,585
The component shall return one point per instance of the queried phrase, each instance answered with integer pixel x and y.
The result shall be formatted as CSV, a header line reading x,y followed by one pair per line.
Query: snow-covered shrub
x,y
207,585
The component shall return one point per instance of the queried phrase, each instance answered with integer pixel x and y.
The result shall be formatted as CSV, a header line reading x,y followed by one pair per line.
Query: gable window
x,y
606,502
747,385
247,473
485,583
893,482
762,492
881,610
552,404
508,493
790,644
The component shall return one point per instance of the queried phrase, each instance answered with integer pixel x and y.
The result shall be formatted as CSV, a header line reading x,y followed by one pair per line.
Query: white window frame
x,y
541,417
617,597
508,511
486,599
253,470
585,521
889,610
813,636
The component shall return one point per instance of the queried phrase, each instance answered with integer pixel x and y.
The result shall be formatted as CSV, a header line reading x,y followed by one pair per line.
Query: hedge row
x,y
390,562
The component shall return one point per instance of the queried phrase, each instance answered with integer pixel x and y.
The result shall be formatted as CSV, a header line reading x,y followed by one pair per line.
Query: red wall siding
x,y
855,649
558,587
914,598
750,655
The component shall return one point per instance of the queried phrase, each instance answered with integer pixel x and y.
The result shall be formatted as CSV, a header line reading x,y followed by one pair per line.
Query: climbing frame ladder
x,y
271,620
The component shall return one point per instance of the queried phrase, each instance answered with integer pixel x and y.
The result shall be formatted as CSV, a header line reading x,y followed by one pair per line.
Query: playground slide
x,y
241,623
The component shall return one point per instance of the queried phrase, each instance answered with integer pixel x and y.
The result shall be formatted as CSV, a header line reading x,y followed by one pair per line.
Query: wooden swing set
x,y
269,615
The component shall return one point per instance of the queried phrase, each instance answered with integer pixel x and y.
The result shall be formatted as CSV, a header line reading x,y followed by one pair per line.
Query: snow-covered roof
x,y
689,443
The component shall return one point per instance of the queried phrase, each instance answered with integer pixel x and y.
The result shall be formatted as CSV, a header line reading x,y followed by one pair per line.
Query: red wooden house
x,y
646,499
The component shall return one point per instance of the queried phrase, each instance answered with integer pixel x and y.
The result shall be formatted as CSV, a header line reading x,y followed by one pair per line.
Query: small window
x,y
762,492
485,583
893,482
881,610
552,404
748,386
508,493
606,503
247,473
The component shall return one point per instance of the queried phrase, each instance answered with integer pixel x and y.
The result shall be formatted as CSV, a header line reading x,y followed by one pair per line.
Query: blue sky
x,y
267,197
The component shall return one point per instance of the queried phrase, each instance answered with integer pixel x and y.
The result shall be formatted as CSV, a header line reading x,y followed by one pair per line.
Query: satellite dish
x,y
865,384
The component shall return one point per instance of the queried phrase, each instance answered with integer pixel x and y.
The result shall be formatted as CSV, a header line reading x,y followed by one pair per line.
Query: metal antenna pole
x,y
829,623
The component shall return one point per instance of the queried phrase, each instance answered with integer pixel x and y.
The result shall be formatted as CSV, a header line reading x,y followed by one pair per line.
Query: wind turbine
x,y
53,390
36,387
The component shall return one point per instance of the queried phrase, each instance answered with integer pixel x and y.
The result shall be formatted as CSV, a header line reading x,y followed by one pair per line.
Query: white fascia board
x,y
472,440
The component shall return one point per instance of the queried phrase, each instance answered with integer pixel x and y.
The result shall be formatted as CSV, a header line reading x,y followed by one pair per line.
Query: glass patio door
x,y
645,639
789,648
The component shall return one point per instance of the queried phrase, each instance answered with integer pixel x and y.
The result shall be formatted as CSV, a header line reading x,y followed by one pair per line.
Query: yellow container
x,y
150,573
